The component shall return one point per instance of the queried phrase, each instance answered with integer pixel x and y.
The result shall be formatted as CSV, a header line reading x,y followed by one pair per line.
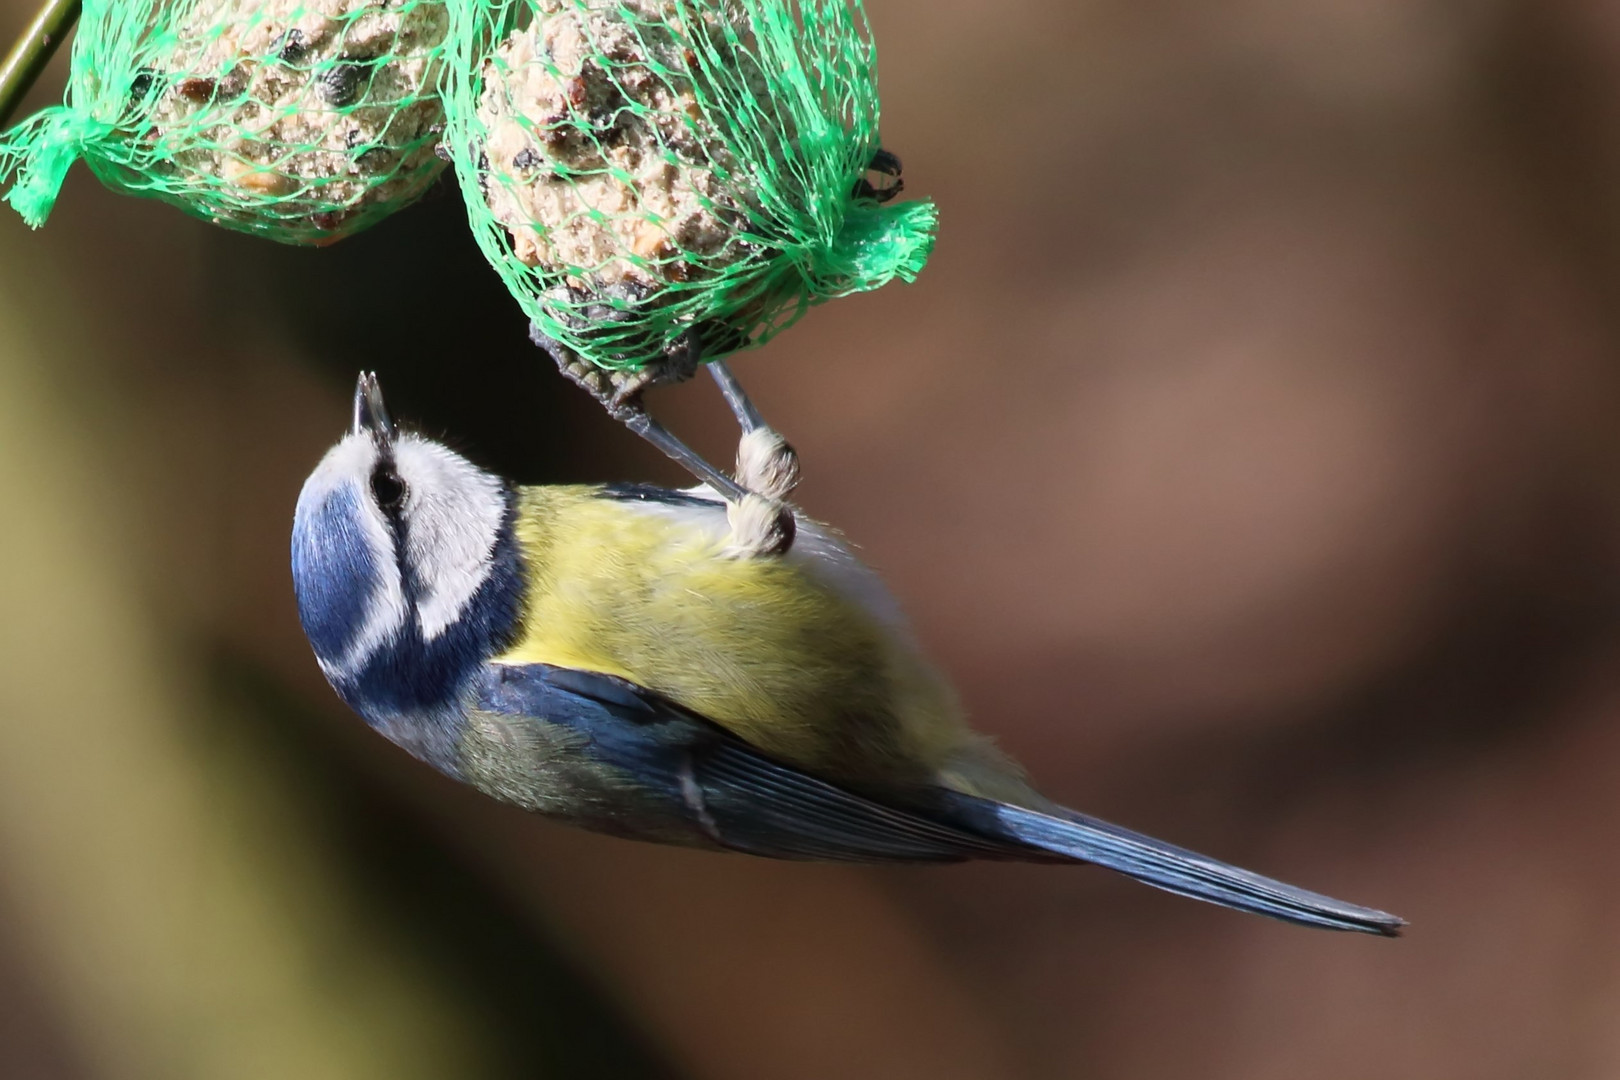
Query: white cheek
x,y
455,512
452,554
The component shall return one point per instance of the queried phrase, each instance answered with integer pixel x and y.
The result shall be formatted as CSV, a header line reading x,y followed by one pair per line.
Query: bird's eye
x,y
387,488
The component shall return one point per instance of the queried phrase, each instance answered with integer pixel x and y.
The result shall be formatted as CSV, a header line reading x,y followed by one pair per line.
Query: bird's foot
x,y
618,392
766,462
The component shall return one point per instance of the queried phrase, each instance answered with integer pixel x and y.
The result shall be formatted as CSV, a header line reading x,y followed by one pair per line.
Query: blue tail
x,y
1072,835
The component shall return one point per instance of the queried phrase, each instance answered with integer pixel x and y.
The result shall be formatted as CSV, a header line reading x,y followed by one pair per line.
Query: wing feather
x,y
622,737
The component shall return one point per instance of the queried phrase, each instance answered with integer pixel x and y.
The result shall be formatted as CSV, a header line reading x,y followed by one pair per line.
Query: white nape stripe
x,y
386,614
453,513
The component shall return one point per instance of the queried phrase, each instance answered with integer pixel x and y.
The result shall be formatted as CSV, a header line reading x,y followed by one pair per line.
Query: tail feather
x,y
1173,869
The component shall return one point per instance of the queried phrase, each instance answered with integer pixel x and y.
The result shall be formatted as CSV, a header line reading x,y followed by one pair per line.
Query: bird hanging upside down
x,y
605,656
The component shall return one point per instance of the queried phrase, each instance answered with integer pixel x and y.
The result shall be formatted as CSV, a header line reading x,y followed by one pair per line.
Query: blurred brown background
x,y
1249,453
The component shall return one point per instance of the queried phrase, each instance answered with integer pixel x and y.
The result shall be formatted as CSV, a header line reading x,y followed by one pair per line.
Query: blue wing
x,y
1164,866
612,756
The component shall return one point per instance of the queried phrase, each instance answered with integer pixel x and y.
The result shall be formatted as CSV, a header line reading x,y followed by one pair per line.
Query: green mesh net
x,y
300,120
658,175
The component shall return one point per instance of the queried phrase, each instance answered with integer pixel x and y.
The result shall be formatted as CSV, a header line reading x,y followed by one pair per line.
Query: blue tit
x,y
602,656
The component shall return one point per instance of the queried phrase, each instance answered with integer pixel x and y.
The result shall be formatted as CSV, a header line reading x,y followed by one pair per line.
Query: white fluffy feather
x,y
453,515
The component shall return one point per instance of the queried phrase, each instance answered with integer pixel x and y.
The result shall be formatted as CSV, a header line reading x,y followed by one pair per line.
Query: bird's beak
x,y
370,414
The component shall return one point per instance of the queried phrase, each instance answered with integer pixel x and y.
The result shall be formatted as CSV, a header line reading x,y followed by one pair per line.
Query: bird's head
x,y
404,565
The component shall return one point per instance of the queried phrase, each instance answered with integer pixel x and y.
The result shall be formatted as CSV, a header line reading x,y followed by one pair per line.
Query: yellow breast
x,y
765,647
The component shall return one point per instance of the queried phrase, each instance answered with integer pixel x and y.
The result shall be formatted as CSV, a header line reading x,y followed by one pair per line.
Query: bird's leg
x,y
737,399
620,393
638,421
766,463
760,523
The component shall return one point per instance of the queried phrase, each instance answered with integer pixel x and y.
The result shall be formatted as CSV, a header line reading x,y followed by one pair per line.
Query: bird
x,y
603,656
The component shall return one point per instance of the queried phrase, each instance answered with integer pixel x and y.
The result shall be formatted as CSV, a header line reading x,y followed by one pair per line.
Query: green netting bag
x,y
660,176
300,120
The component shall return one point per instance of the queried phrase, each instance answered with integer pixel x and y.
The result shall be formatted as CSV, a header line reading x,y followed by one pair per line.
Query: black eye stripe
x,y
387,488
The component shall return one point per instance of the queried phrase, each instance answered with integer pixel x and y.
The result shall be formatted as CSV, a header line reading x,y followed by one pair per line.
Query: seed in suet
x,y
195,89
340,84
291,48
141,84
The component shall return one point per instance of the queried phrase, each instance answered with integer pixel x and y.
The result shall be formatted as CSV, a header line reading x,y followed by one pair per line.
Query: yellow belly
x,y
761,646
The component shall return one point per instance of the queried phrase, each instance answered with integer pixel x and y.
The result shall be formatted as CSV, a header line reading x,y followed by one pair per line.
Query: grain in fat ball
x,y
598,159
313,110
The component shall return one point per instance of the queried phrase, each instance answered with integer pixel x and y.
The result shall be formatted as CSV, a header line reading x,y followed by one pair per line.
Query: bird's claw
x,y
618,392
